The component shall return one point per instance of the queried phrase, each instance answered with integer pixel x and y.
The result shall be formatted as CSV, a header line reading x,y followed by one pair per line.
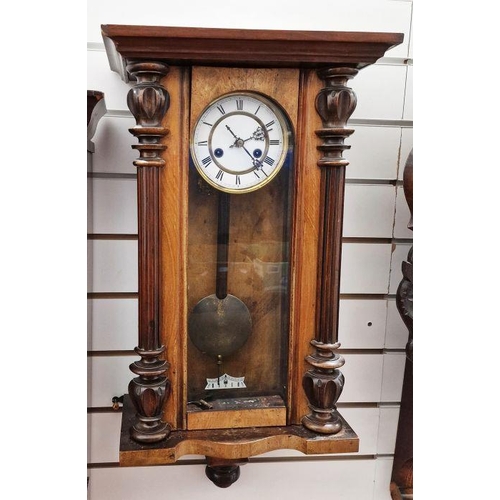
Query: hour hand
x,y
258,135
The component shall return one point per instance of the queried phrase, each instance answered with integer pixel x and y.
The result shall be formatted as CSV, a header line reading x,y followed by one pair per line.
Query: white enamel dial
x,y
240,142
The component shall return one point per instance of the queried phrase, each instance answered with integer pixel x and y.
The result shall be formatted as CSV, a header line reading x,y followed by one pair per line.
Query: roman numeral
x,y
269,161
221,109
269,124
258,176
206,161
239,104
274,142
203,143
209,124
257,110
238,180
220,175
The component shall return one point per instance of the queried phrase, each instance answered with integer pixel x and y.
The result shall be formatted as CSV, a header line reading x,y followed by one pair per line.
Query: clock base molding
x,y
229,444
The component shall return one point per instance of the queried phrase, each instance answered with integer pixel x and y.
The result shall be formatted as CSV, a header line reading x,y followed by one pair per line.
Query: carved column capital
x,y
335,104
148,101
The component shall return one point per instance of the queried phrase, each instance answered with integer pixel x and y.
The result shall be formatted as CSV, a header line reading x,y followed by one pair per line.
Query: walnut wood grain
x,y
231,444
237,419
304,242
240,47
173,241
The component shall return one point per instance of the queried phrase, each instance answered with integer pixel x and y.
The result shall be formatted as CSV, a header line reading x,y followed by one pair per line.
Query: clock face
x,y
240,142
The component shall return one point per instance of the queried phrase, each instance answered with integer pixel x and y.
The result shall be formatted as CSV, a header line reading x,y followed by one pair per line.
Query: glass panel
x,y
238,345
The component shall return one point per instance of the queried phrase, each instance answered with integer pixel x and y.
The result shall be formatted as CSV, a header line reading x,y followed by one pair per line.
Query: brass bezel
x,y
284,121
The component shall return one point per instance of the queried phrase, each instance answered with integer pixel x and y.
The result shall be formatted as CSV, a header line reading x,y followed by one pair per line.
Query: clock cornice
x,y
243,47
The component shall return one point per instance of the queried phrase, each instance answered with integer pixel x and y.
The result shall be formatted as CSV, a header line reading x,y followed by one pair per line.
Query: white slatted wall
x,y
376,240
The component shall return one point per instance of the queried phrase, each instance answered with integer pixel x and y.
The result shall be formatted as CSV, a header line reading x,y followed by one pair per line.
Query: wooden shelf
x,y
229,443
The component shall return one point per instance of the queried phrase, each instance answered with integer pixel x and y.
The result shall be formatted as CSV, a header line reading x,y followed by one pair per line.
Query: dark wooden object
x,y
404,294
149,101
144,53
96,109
227,444
323,384
402,472
259,48
223,473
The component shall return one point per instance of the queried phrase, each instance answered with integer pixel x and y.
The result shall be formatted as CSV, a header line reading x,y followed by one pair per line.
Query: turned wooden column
x,y
149,101
323,383
404,293
402,470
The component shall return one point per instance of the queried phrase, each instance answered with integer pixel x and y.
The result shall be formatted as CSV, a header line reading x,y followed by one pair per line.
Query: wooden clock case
x,y
175,72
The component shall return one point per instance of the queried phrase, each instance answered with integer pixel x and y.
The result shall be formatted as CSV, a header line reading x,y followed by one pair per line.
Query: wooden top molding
x,y
258,48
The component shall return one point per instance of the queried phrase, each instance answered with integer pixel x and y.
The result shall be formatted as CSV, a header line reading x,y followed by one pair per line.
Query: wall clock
x,y
240,179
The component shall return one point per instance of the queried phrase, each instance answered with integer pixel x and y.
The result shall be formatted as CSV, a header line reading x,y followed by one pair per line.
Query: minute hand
x,y
256,163
238,142
233,134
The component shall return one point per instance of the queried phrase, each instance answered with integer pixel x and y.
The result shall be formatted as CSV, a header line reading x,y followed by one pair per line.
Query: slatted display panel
x,y
376,240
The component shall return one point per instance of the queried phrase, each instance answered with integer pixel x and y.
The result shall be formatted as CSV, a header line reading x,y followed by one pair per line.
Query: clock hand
x,y
240,143
258,135
233,134
256,163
